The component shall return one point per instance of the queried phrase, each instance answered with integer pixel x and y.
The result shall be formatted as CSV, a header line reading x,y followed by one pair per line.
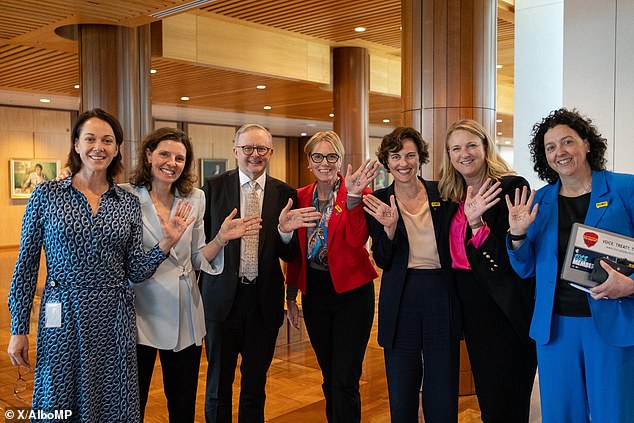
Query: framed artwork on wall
x,y
25,174
382,180
210,167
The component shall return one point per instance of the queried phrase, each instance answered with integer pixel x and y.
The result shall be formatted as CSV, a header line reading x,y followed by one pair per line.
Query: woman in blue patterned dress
x,y
92,236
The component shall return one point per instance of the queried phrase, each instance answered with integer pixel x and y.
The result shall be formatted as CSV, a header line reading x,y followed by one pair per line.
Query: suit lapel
x,y
149,215
151,222
269,209
600,199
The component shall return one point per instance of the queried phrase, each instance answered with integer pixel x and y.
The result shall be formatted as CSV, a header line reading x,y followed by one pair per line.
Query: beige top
x,y
423,252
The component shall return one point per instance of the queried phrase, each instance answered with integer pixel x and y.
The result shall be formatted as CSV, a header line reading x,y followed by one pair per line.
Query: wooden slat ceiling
x,y
18,17
332,20
50,71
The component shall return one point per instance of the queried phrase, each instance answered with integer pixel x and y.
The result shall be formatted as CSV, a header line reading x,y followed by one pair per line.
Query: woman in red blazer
x,y
335,274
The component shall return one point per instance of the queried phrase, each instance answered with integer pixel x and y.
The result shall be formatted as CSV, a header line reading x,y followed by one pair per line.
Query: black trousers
x,y
339,329
243,333
425,352
180,379
503,365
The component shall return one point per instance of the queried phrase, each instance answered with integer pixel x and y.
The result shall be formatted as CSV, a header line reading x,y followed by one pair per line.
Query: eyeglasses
x,y
249,149
330,158
20,384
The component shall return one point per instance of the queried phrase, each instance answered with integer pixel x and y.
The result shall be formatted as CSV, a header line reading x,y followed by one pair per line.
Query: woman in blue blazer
x,y
585,341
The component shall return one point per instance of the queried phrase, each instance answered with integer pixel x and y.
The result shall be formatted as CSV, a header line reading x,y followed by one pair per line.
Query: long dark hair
x,y
74,160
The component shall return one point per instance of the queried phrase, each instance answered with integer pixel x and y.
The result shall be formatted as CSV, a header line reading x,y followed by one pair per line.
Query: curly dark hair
x,y
393,142
73,162
142,175
582,126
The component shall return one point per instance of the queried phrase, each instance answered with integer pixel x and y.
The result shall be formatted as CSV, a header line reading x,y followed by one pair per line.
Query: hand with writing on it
x,y
175,227
476,203
291,219
237,228
522,213
384,214
356,182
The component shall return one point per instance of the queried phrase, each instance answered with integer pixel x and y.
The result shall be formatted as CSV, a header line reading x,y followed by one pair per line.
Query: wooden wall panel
x,y
27,133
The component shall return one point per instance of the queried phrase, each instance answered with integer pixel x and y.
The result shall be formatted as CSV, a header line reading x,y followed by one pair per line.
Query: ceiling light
x,y
180,8
260,87
76,86
153,71
359,29
303,134
267,107
499,133
499,120
499,66
45,100
507,142
332,115
386,121
185,98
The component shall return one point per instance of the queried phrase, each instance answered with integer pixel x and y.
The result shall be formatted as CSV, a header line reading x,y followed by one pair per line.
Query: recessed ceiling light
x,y
359,29
386,121
185,98
332,115
499,120
76,86
507,142
153,71
499,66
303,134
45,100
267,107
499,133
260,87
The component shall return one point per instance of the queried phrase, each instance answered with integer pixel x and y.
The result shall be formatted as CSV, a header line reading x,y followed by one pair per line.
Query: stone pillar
x,y
114,69
351,88
448,68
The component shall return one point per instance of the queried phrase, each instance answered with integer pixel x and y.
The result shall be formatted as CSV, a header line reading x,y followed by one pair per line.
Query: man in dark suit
x,y
244,305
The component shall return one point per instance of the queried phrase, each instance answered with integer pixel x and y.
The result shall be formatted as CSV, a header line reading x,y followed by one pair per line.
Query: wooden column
x,y
448,68
114,69
351,87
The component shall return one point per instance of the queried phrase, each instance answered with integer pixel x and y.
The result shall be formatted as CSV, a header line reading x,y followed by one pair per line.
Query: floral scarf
x,y
318,236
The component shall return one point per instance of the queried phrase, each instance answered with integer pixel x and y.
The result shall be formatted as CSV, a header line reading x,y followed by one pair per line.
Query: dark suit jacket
x,y
223,195
393,256
491,266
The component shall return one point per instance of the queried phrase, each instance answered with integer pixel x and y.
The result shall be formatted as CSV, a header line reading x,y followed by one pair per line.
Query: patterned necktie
x,y
250,270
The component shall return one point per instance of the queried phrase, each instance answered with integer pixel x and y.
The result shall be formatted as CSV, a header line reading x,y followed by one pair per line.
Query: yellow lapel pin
x,y
601,204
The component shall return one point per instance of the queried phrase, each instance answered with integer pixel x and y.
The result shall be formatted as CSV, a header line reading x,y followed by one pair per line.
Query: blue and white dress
x,y
88,364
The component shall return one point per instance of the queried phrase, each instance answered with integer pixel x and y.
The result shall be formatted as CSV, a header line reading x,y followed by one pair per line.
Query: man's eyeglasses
x,y
249,149
330,158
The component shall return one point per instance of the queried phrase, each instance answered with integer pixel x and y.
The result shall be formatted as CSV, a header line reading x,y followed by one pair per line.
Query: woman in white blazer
x,y
170,316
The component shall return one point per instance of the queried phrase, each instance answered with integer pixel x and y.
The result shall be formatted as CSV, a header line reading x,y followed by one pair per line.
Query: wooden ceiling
x,y
34,59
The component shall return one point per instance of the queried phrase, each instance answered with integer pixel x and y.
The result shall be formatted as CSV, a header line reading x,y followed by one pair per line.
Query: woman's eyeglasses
x,y
20,384
330,158
249,149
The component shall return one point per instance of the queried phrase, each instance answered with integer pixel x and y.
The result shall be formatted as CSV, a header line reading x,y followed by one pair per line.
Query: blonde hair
x,y
328,136
452,185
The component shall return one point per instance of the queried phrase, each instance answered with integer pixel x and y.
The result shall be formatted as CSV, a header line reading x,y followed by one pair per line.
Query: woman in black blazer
x,y
496,305
418,316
